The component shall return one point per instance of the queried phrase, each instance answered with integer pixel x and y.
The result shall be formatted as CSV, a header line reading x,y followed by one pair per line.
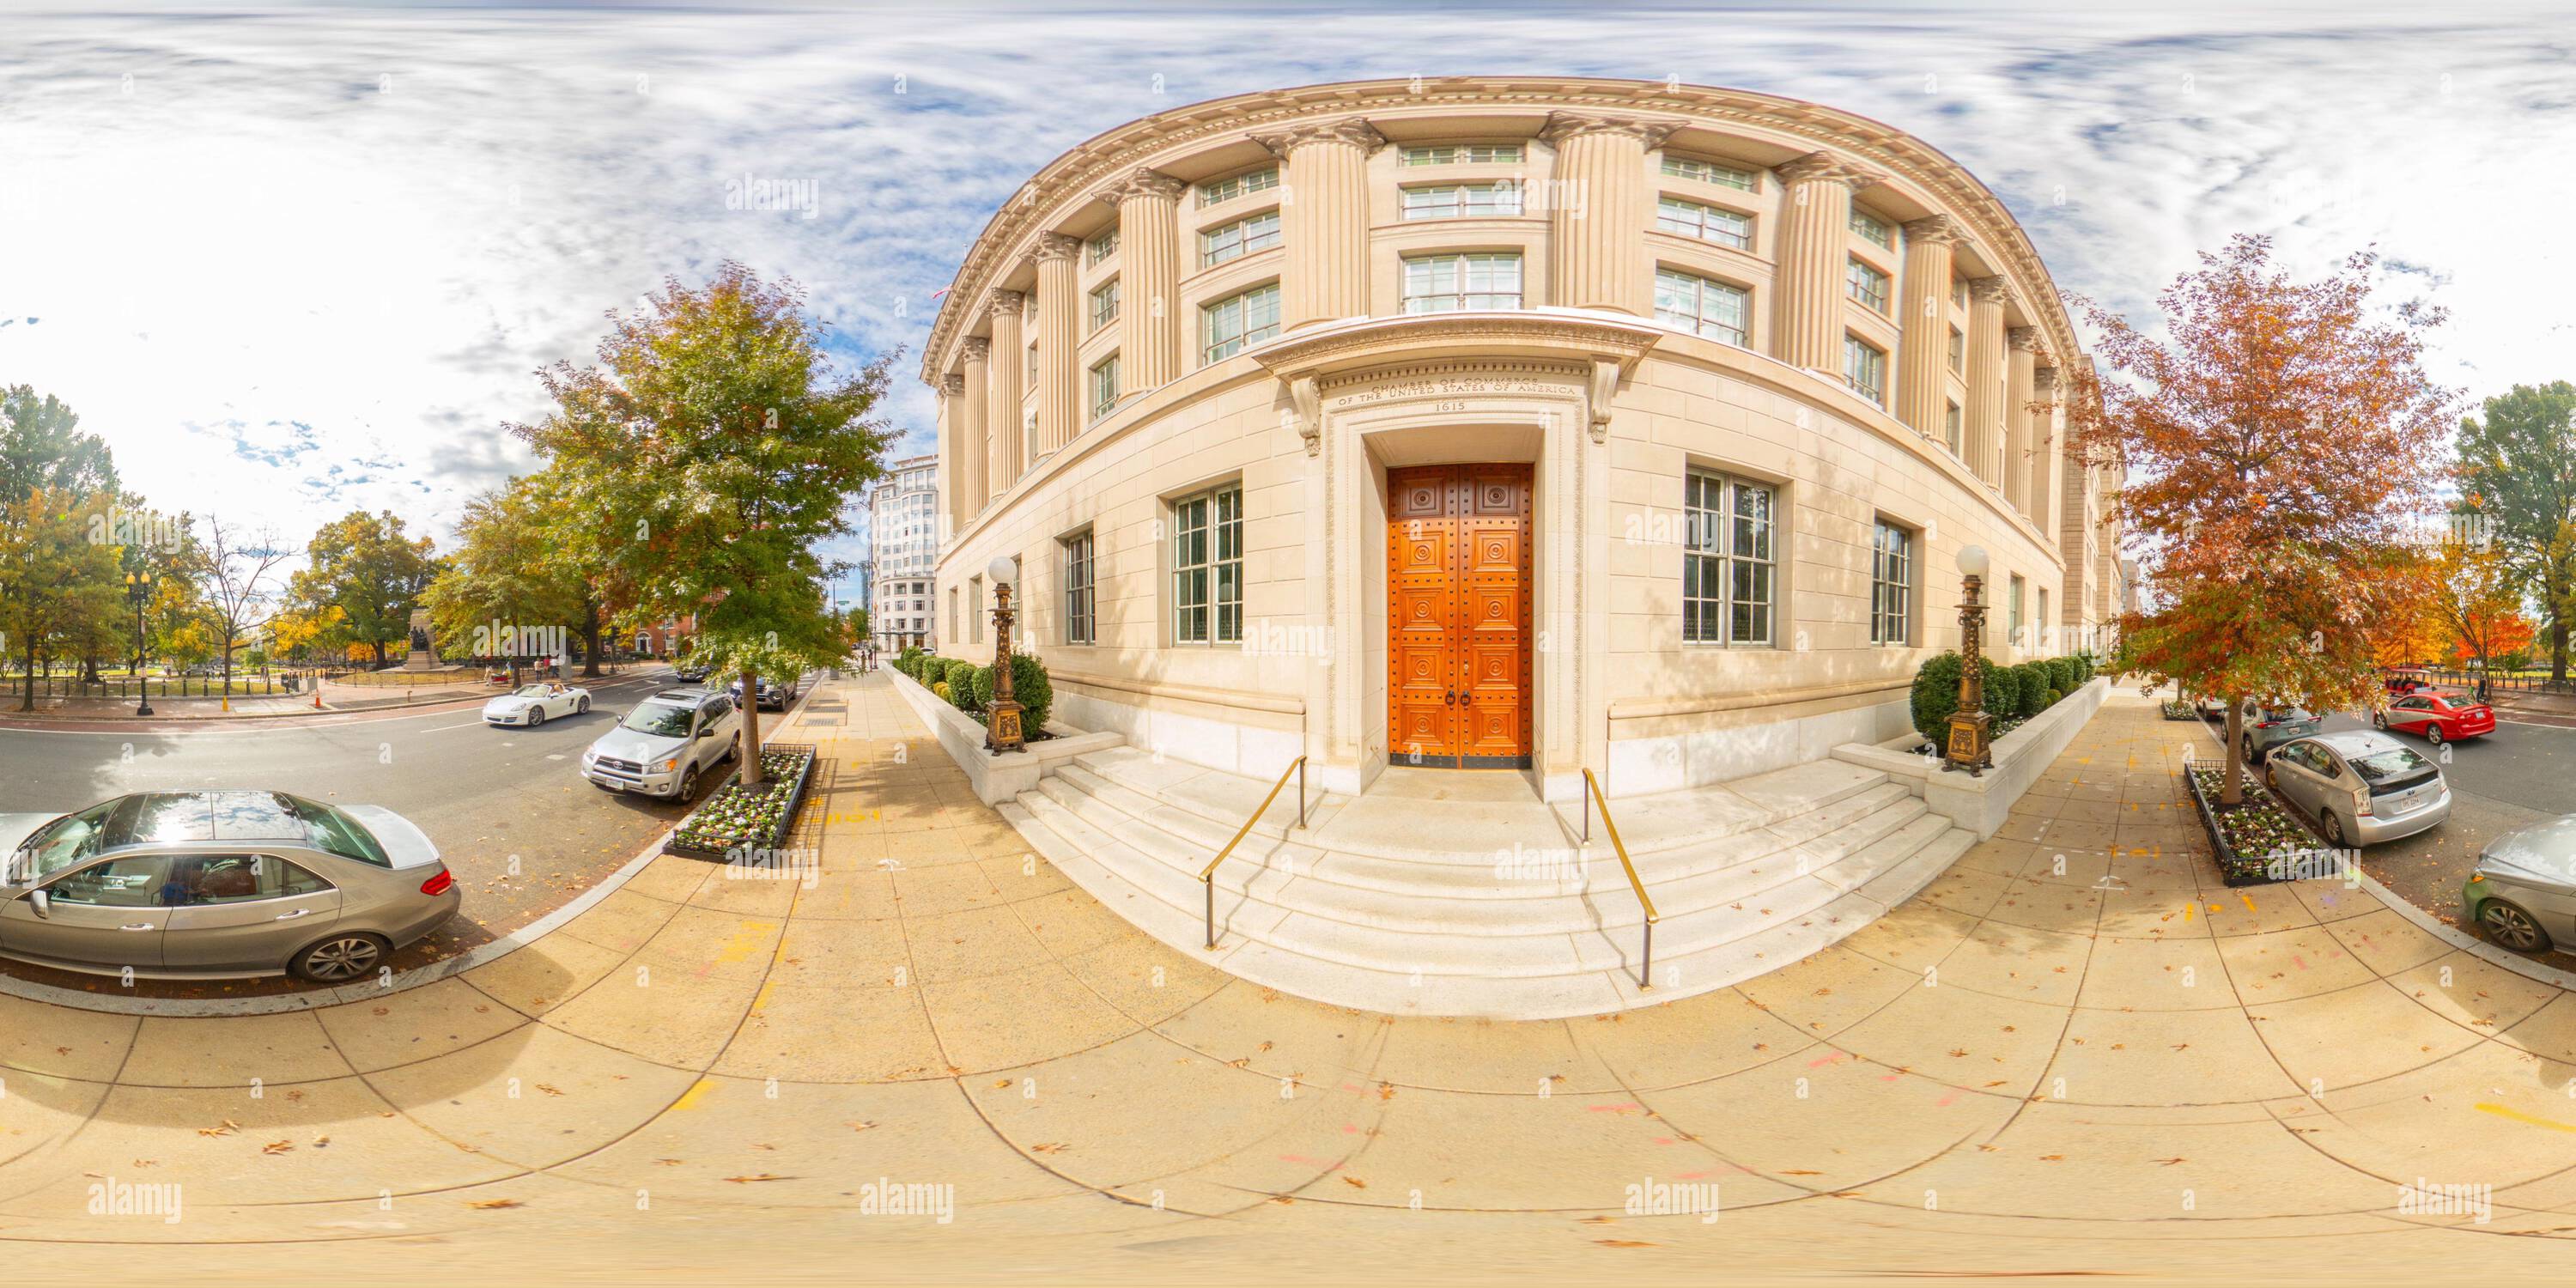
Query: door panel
x,y
1458,646
247,924
108,914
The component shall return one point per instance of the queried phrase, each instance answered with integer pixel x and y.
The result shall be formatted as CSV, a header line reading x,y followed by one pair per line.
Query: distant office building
x,y
903,526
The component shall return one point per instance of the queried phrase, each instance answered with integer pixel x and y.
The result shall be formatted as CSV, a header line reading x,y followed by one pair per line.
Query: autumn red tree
x,y
2476,598
2275,439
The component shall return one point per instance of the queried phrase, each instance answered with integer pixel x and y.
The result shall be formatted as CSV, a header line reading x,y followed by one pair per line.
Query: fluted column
x,y
1002,400
2048,470
1598,209
975,429
1923,352
2020,390
1815,247
1059,324
1325,220
952,415
1149,277
1985,409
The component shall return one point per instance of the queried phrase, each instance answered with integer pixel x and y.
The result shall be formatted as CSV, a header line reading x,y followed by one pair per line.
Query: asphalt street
x,y
508,808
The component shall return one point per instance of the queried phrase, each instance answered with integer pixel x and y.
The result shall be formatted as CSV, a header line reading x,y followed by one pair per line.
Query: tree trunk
x,y
2232,791
27,692
590,641
2557,649
750,728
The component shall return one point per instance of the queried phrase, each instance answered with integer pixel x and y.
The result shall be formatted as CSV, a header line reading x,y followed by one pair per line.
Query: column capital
x,y
1990,290
1566,125
1141,182
2023,339
1825,167
2044,380
1053,246
974,348
1937,230
1351,130
1005,302
952,385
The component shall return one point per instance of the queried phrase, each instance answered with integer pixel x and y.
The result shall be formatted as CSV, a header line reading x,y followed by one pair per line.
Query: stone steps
x,y
1746,878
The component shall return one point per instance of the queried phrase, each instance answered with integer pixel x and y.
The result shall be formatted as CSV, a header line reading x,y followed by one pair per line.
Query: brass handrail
x,y
1645,963
1207,875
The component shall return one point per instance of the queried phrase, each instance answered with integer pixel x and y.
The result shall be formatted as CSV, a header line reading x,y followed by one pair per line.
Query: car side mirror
x,y
40,901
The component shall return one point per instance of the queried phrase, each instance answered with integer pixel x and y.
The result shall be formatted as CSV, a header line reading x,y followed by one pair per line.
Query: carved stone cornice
x,y
1006,303
1603,349
1141,182
1990,290
1353,131
1646,130
2024,339
1938,230
1054,246
975,348
1827,167
952,385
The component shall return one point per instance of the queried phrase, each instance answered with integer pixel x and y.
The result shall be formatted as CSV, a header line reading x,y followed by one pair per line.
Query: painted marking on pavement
x,y
697,1091
2517,1115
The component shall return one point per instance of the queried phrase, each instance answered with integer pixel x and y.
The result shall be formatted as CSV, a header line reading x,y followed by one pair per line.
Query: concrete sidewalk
x,y
2075,1052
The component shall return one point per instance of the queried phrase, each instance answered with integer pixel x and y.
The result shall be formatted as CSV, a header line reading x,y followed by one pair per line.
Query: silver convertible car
x,y
194,884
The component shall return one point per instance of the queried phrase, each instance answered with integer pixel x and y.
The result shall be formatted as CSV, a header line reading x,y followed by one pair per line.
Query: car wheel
x,y
581,708
2252,757
2334,829
339,959
2379,719
536,716
688,785
2512,927
2433,734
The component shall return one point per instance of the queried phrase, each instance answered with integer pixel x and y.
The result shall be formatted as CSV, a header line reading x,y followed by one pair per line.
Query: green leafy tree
x,y
503,571
2517,470
60,584
702,461
366,567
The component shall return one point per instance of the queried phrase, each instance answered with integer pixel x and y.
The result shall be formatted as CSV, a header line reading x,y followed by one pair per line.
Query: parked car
x,y
223,884
2362,787
2522,891
773,697
2267,727
2405,679
534,704
692,672
2437,717
665,744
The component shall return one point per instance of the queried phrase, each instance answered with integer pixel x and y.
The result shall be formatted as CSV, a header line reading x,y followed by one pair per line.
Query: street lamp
x,y
138,591
1971,744
1002,733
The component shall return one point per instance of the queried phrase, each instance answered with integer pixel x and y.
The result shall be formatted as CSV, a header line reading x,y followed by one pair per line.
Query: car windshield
x,y
331,830
2387,763
533,690
660,719
70,839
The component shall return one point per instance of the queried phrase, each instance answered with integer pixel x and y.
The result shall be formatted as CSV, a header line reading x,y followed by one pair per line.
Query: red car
x,y
2438,717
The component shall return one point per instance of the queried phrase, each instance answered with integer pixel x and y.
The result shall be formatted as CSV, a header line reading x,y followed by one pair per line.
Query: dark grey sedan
x,y
218,884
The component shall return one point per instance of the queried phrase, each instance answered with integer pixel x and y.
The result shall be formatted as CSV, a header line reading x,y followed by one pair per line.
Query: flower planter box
x,y
787,769
2237,867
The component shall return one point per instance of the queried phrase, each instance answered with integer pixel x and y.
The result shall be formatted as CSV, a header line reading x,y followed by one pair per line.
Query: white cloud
x,y
377,224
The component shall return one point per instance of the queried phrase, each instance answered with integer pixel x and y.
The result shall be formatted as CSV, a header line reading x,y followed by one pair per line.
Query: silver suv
x,y
666,744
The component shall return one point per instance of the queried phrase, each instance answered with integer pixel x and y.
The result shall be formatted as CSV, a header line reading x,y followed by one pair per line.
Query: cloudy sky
x,y
298,260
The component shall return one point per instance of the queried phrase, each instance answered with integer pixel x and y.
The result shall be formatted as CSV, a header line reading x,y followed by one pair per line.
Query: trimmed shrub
x,y
2056,696
2034,689
2061,675
2084,667
2003,690
941,689
960,675
1029,688
1936,696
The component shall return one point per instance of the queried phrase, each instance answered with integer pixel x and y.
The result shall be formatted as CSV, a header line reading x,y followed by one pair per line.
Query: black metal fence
x,y
174,686
2499,680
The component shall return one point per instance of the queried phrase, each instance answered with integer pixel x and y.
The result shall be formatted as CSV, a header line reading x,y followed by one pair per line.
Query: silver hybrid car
x,y
2523,890
195,884
2361,787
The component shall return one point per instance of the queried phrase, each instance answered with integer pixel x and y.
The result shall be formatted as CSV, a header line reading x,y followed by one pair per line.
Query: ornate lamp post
x,y
1971,745
1003,731
138,591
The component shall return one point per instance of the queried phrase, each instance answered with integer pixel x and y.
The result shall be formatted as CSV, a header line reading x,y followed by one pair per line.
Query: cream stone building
x,y
1508,423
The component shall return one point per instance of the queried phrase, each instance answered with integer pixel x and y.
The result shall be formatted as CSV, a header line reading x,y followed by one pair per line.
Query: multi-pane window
x,y
1104,386
1207,568
1891,586
1229,325
2013,617
1464,154
1224,190
1240,238
1103,246
1950,427
1872,229
1865,369
1958,294
1724,176
1463,200
1700,306
1079,625
1863,282
1450,283
2040,628
1031,369
1708,223
1104,304
1958,351
1730,561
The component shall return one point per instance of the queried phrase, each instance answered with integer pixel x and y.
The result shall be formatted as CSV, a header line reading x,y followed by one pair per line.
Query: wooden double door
x,y
1458,616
